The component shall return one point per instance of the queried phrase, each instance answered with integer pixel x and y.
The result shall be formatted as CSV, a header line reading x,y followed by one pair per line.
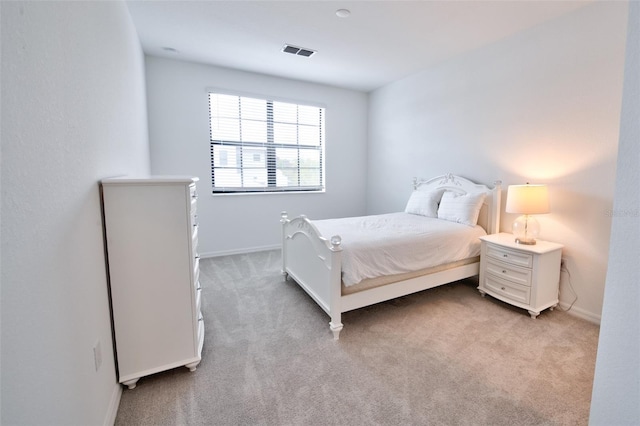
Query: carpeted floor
x,y
444,356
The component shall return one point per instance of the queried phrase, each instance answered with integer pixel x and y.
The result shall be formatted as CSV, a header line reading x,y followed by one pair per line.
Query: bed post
x,y
494,218
335,310
283,220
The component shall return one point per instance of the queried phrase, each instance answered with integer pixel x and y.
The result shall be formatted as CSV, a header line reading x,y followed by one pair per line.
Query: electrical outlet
x,y
97,355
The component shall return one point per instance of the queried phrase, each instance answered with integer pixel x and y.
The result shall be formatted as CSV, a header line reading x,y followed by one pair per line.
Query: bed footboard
x,y
315,264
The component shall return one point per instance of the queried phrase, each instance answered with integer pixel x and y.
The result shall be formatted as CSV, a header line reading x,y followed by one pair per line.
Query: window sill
x,y
218,194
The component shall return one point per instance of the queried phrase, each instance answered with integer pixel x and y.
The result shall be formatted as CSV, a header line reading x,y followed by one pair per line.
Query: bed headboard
x,y
489,217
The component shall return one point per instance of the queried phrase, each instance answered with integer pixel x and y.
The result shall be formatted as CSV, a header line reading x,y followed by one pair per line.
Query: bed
x,y
323,256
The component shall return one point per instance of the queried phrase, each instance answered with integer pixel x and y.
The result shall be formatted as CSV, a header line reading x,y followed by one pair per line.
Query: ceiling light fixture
x,y
299,51
343,13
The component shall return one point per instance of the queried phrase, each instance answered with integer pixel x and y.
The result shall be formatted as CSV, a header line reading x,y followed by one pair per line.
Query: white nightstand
x,y
526,276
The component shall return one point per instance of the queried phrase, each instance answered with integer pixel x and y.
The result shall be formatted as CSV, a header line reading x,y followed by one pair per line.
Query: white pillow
x,y
424,203
461,208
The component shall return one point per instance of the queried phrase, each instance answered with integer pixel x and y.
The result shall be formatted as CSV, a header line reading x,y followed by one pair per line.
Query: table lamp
x,y
527,200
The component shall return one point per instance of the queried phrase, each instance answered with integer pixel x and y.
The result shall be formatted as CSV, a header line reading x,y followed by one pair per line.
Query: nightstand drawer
x,y
507,289
511,256
509,272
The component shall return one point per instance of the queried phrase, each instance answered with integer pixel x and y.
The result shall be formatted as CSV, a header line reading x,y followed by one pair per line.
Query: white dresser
x,y
152,238
526,276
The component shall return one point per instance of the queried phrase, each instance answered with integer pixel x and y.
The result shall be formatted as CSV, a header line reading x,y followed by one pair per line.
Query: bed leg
x,y
335,328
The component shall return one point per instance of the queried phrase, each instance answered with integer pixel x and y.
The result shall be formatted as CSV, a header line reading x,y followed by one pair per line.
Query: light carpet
x,y
445,356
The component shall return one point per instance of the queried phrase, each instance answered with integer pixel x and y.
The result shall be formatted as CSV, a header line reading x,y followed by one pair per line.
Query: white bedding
x,y
396,243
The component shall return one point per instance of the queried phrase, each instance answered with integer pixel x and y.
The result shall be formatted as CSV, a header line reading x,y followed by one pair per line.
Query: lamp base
x,y
526,242
525,230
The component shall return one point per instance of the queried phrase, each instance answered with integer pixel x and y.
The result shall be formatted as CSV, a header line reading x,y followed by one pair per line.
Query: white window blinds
x,y
260,145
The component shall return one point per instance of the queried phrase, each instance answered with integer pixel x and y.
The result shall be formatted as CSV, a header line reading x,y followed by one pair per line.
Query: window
x,y
260,145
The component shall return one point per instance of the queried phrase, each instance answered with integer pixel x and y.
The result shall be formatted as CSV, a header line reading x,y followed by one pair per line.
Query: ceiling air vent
x,y
300,51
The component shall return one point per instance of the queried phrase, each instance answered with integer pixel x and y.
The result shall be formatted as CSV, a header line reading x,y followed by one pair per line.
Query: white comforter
x,y
396,243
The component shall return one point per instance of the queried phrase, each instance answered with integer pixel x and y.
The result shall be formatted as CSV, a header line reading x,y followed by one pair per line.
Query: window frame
x,y
270,147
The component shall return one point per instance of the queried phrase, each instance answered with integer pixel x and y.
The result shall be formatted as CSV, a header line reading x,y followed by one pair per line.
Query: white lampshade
x,y
527,200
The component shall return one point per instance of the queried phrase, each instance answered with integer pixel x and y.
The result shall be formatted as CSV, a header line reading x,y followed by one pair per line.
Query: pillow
x,y
424,203
461,208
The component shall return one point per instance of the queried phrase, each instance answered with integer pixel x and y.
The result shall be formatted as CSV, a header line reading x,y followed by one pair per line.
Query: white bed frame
x,y
315,262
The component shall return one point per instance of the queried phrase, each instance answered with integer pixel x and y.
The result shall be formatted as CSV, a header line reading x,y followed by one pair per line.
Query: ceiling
x,y
380,42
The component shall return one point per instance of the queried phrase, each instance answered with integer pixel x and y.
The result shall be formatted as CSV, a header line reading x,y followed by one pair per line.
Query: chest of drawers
x,y
151,230
521,275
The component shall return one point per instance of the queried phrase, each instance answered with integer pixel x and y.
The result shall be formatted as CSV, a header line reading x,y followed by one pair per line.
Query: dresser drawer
x,y
507,289
193,194
511,256
196,270
200,333
194,239
509,272
196,278
198,299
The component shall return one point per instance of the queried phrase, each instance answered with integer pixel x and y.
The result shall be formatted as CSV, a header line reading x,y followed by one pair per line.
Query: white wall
x,y
179,143
541,106
616,388
73,112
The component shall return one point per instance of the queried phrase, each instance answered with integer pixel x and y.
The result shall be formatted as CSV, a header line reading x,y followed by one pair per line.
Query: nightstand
x,y
526,276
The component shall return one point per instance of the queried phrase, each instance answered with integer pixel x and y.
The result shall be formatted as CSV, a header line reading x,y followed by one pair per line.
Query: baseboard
x,y
580,313
114,403
239,251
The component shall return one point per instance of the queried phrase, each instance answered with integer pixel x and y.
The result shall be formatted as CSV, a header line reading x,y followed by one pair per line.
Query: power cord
x,y
563,268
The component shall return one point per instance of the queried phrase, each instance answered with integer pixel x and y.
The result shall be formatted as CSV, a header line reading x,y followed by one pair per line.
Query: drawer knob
x,y
504,272
505,255
503,289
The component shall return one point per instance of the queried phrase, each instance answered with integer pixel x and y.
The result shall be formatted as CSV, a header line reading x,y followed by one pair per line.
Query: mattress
x,y
398,243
